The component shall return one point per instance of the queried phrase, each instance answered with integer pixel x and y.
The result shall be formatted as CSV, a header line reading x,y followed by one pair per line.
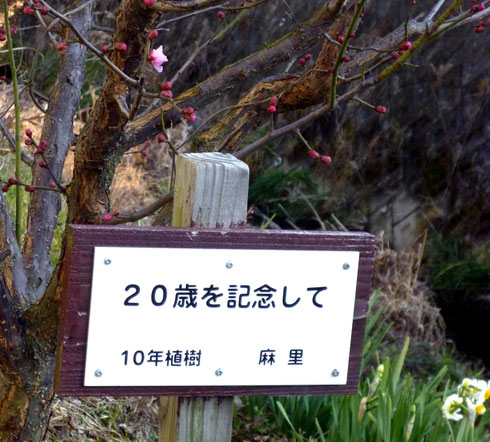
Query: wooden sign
x,y
169,311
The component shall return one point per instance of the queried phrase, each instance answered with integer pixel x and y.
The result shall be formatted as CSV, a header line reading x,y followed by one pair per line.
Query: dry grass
x,y
104,419
405,299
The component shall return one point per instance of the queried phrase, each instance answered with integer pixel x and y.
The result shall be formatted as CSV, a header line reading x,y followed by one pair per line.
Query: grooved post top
x,y
211,190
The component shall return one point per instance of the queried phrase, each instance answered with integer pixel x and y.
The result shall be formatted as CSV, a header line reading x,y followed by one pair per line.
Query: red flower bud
x,y
43,164
29,133
325,159
30,188
345,58
480,29
352,35
190,117
166,86
313,154
188,110
340,38
62,46
166,94
28,142
12,180
330,70
394,55
308,57
3,37
107,217
149,2
121,47
44,10
5,188
105,49
153,34
221,14
405,46
116,213
43,144
161,138
361,15
147,143
3,77
144,153
28,10
52,185
481,7
302,61
274,101
271,109
381,109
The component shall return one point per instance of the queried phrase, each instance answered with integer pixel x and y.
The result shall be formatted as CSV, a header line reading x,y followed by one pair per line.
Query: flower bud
x,y
161,138
44,10
43,144
43,164
107,217
121,47
144,153
52,185
29,133
271,109
28,142
5,188
302,61
147,143
12,180
221,15
381,109
326,159
105,49
166,86
274,101
166,94
405,46
28,10
340,38
308,57
30,188
62,46
313,154
153,34
346,59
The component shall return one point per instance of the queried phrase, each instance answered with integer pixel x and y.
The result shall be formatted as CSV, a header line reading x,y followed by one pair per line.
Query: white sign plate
x,y
217,317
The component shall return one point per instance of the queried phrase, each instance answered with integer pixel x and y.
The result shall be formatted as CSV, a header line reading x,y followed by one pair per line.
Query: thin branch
x,y
434,11
183,6
90,46
140,214
26,158
190,14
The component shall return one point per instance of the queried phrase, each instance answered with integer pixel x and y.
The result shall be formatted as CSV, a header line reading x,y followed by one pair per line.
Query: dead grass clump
x,y
121,419
406,300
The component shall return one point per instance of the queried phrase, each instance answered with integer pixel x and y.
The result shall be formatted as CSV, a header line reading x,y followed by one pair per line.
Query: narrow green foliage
x,y
390,405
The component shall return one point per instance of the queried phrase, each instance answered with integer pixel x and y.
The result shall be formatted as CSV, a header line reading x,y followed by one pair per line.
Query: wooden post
x,y
211,190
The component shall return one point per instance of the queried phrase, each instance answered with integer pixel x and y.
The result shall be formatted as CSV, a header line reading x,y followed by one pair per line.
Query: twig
x,y
92,48
27,159
140,214
18,197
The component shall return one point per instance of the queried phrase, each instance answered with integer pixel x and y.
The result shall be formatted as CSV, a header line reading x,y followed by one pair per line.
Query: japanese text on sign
x,y
187,316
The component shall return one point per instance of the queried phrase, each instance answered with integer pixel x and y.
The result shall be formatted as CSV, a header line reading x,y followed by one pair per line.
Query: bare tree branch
x,y
58,133
282,50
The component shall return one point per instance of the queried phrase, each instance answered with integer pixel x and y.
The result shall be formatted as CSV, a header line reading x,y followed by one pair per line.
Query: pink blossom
x,y
157,58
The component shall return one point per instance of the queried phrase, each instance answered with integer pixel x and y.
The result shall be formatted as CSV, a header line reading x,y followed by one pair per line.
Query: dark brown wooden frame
x,y
73,329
